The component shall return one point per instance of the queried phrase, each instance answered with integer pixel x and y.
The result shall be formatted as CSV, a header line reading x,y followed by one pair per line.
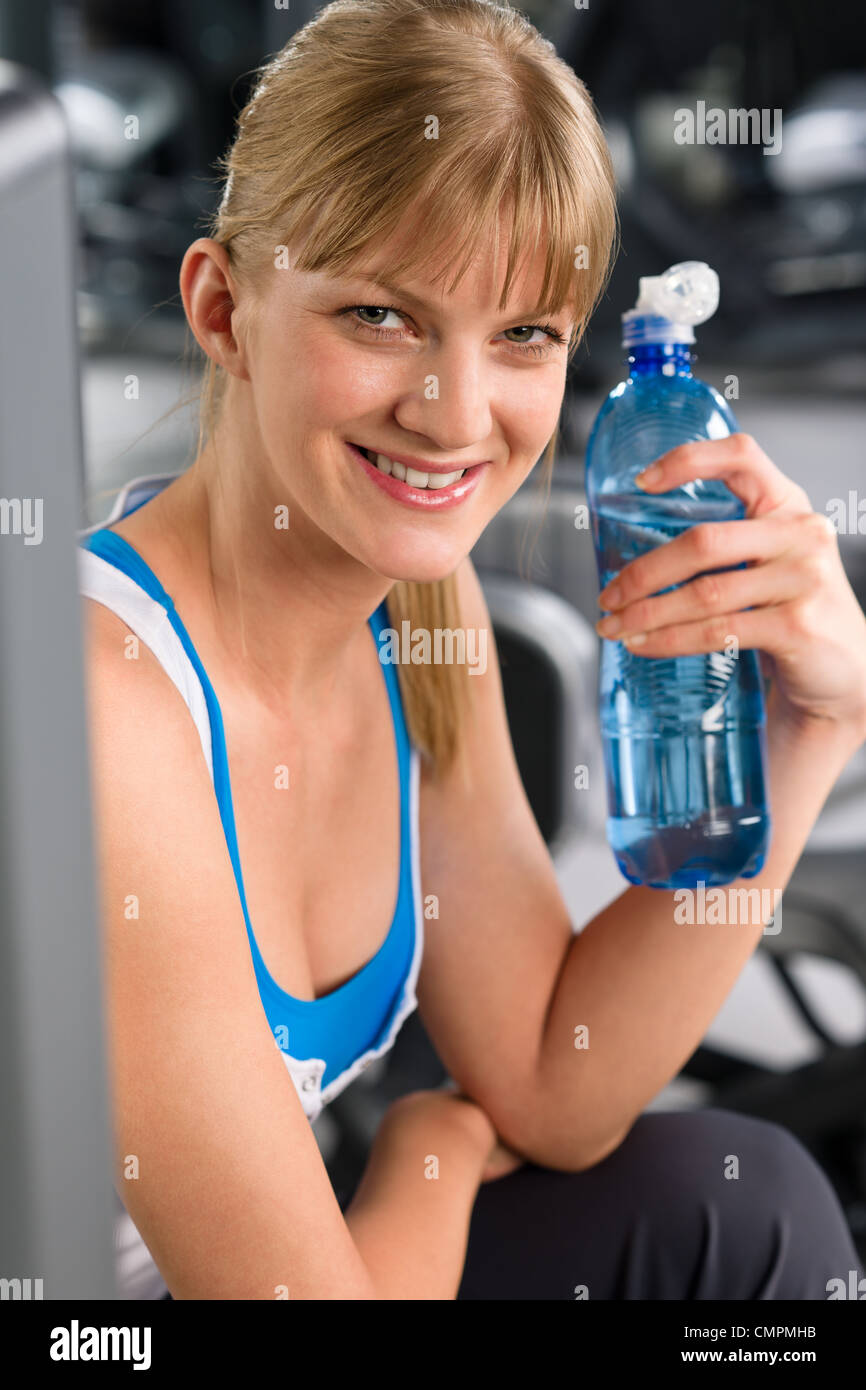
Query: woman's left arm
x,y
506,990
646,985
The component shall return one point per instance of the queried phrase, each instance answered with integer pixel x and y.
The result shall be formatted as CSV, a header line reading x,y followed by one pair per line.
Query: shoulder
x,y
129,692
113,653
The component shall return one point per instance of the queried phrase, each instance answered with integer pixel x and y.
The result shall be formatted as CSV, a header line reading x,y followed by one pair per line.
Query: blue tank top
x,y
349,1026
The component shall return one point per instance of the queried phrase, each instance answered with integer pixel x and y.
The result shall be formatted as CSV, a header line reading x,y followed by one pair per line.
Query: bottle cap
x,y
669,305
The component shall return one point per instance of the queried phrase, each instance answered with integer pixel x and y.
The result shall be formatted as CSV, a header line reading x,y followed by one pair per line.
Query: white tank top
x,y
137,1274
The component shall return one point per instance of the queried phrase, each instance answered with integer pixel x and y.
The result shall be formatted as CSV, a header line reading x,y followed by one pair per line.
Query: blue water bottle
x,y
684,737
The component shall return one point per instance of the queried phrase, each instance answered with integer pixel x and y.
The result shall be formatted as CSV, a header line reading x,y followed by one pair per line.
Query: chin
x,y
419,564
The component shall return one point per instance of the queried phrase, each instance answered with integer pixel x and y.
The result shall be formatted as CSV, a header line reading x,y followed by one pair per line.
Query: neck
x,y
288,607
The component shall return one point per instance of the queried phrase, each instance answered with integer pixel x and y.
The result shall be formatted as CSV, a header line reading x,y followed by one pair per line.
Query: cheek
x,y
531,416
334,384
544,403
307,376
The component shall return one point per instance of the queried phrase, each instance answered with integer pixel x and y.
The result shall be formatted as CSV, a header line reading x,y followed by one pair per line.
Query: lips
x,y
429,477
435,498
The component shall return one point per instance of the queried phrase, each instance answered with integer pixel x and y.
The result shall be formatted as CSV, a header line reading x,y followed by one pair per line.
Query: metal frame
x,y
56,1198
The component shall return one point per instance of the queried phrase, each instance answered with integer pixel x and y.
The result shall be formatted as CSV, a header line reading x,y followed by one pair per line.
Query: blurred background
x,y
787,235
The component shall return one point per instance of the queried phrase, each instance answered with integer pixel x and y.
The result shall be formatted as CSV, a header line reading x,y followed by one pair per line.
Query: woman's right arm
x,y
410,1215
215,1159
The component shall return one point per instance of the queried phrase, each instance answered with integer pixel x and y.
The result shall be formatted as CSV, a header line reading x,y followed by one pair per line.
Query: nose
x,y
450,401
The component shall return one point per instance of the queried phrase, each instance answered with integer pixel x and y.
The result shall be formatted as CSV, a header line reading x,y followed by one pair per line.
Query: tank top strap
x,y
110,571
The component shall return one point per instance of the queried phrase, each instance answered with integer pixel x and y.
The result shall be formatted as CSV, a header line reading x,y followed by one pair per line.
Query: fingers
x,y
740,463
708,596
715,545
776,629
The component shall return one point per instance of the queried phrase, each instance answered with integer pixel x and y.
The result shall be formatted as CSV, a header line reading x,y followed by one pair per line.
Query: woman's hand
x,y
793,602
445,1105
500,1160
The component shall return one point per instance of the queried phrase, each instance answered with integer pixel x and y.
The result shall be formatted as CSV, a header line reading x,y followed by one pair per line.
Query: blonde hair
x,y
332,152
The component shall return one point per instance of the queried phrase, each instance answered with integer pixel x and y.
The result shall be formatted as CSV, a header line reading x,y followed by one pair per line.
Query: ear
x,y
210,300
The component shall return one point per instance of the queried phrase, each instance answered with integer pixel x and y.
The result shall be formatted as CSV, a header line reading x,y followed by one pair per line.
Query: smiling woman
x,y
272,796
402,137
418,218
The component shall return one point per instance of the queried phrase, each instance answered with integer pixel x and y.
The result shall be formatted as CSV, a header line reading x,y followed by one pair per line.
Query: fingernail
x,y
636,639
649,475
609,598
606,627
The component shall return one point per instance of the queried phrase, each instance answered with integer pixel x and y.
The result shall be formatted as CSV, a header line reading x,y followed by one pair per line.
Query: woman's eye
x,y
550,338
527,328
374,310
373,316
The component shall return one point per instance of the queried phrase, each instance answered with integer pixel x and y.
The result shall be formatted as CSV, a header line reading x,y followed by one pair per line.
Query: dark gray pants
x,y
659,1219
662,1217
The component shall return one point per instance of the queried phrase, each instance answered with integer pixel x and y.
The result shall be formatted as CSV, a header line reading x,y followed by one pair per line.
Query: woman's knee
x,y
690,1157
743,1192
704,1204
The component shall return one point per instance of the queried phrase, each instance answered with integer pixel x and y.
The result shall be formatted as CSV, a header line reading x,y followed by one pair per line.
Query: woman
x,y
410,186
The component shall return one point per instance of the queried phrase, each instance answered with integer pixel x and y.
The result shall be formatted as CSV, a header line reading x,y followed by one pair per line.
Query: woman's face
x,y
435,383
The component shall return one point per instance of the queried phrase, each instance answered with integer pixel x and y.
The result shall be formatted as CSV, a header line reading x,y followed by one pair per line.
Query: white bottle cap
x,y
685,293
669,305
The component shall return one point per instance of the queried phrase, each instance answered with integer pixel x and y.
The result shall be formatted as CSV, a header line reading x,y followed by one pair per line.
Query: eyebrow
x,y
522,317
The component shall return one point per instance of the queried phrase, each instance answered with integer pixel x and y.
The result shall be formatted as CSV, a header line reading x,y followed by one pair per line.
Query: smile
x,y
414,486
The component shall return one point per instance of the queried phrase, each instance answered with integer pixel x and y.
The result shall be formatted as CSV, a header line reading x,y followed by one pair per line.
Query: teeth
x,y
414,476
443,479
